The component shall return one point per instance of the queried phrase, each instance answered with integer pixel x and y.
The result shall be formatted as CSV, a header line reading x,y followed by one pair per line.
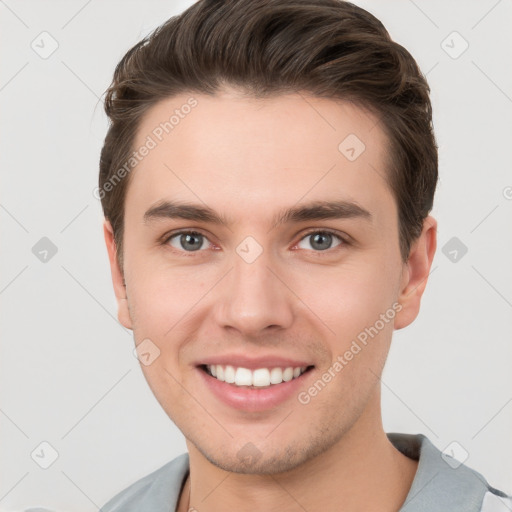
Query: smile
x,y
258,378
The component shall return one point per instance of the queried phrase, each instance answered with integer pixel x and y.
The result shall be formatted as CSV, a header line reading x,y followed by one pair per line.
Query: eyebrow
x,y
317,210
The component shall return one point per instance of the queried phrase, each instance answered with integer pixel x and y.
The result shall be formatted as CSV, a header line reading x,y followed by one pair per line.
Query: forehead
x,y
235,152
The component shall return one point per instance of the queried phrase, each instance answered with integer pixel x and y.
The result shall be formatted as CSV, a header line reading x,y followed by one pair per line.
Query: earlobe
x,y
123,313
415,273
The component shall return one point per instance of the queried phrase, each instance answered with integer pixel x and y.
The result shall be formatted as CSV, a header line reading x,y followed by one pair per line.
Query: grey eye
x,y
189,241
320,240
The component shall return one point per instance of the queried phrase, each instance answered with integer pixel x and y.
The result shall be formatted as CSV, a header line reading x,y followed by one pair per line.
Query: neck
x,y
362,471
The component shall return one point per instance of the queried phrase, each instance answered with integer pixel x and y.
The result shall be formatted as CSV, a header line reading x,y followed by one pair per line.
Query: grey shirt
x,y
440,484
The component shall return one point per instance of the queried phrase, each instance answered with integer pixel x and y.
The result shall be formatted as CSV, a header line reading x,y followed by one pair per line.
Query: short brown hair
x,y
329,48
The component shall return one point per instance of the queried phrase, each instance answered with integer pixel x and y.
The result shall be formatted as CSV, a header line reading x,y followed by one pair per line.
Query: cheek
x,y
342,299
349,298
162,297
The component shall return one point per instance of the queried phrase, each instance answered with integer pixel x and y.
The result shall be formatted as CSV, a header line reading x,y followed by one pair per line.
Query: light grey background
x,y
67,373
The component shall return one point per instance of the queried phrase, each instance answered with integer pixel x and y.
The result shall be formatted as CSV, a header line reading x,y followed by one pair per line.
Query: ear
x,y
123,313
415,273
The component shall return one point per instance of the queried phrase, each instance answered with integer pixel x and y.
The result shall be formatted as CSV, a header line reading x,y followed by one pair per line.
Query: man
x,y
266,181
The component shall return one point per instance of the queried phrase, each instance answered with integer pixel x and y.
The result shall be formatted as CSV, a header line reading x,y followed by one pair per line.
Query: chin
x,y
263,465
267,460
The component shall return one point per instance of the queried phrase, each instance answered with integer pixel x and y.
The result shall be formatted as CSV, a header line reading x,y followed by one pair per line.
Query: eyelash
x,y
343,239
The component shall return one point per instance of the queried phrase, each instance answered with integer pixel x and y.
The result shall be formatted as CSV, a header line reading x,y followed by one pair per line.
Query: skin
x,y
247,159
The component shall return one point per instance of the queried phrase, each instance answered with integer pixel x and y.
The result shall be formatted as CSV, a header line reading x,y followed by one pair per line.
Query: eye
x,y
189,241
321,240
193,241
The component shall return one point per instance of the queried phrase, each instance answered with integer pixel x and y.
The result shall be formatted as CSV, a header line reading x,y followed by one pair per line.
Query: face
x,y
257,236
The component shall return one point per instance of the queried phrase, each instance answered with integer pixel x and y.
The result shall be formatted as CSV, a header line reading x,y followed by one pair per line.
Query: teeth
x,y
262,377
276,376
229,374
288,374
243,377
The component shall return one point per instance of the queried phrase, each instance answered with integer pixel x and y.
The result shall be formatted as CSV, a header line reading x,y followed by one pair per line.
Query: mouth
x,y
254,384
260,378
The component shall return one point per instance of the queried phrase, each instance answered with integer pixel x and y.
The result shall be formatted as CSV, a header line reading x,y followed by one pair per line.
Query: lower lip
x,y
253,399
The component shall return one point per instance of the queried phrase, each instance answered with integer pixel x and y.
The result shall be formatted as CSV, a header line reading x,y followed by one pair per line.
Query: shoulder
x,y
444,483
496,501
157,491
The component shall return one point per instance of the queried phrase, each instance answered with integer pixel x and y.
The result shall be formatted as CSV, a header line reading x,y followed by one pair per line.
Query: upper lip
x,y
253,363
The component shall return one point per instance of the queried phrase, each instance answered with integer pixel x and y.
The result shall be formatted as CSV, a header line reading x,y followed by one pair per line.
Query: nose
x,y
254,298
